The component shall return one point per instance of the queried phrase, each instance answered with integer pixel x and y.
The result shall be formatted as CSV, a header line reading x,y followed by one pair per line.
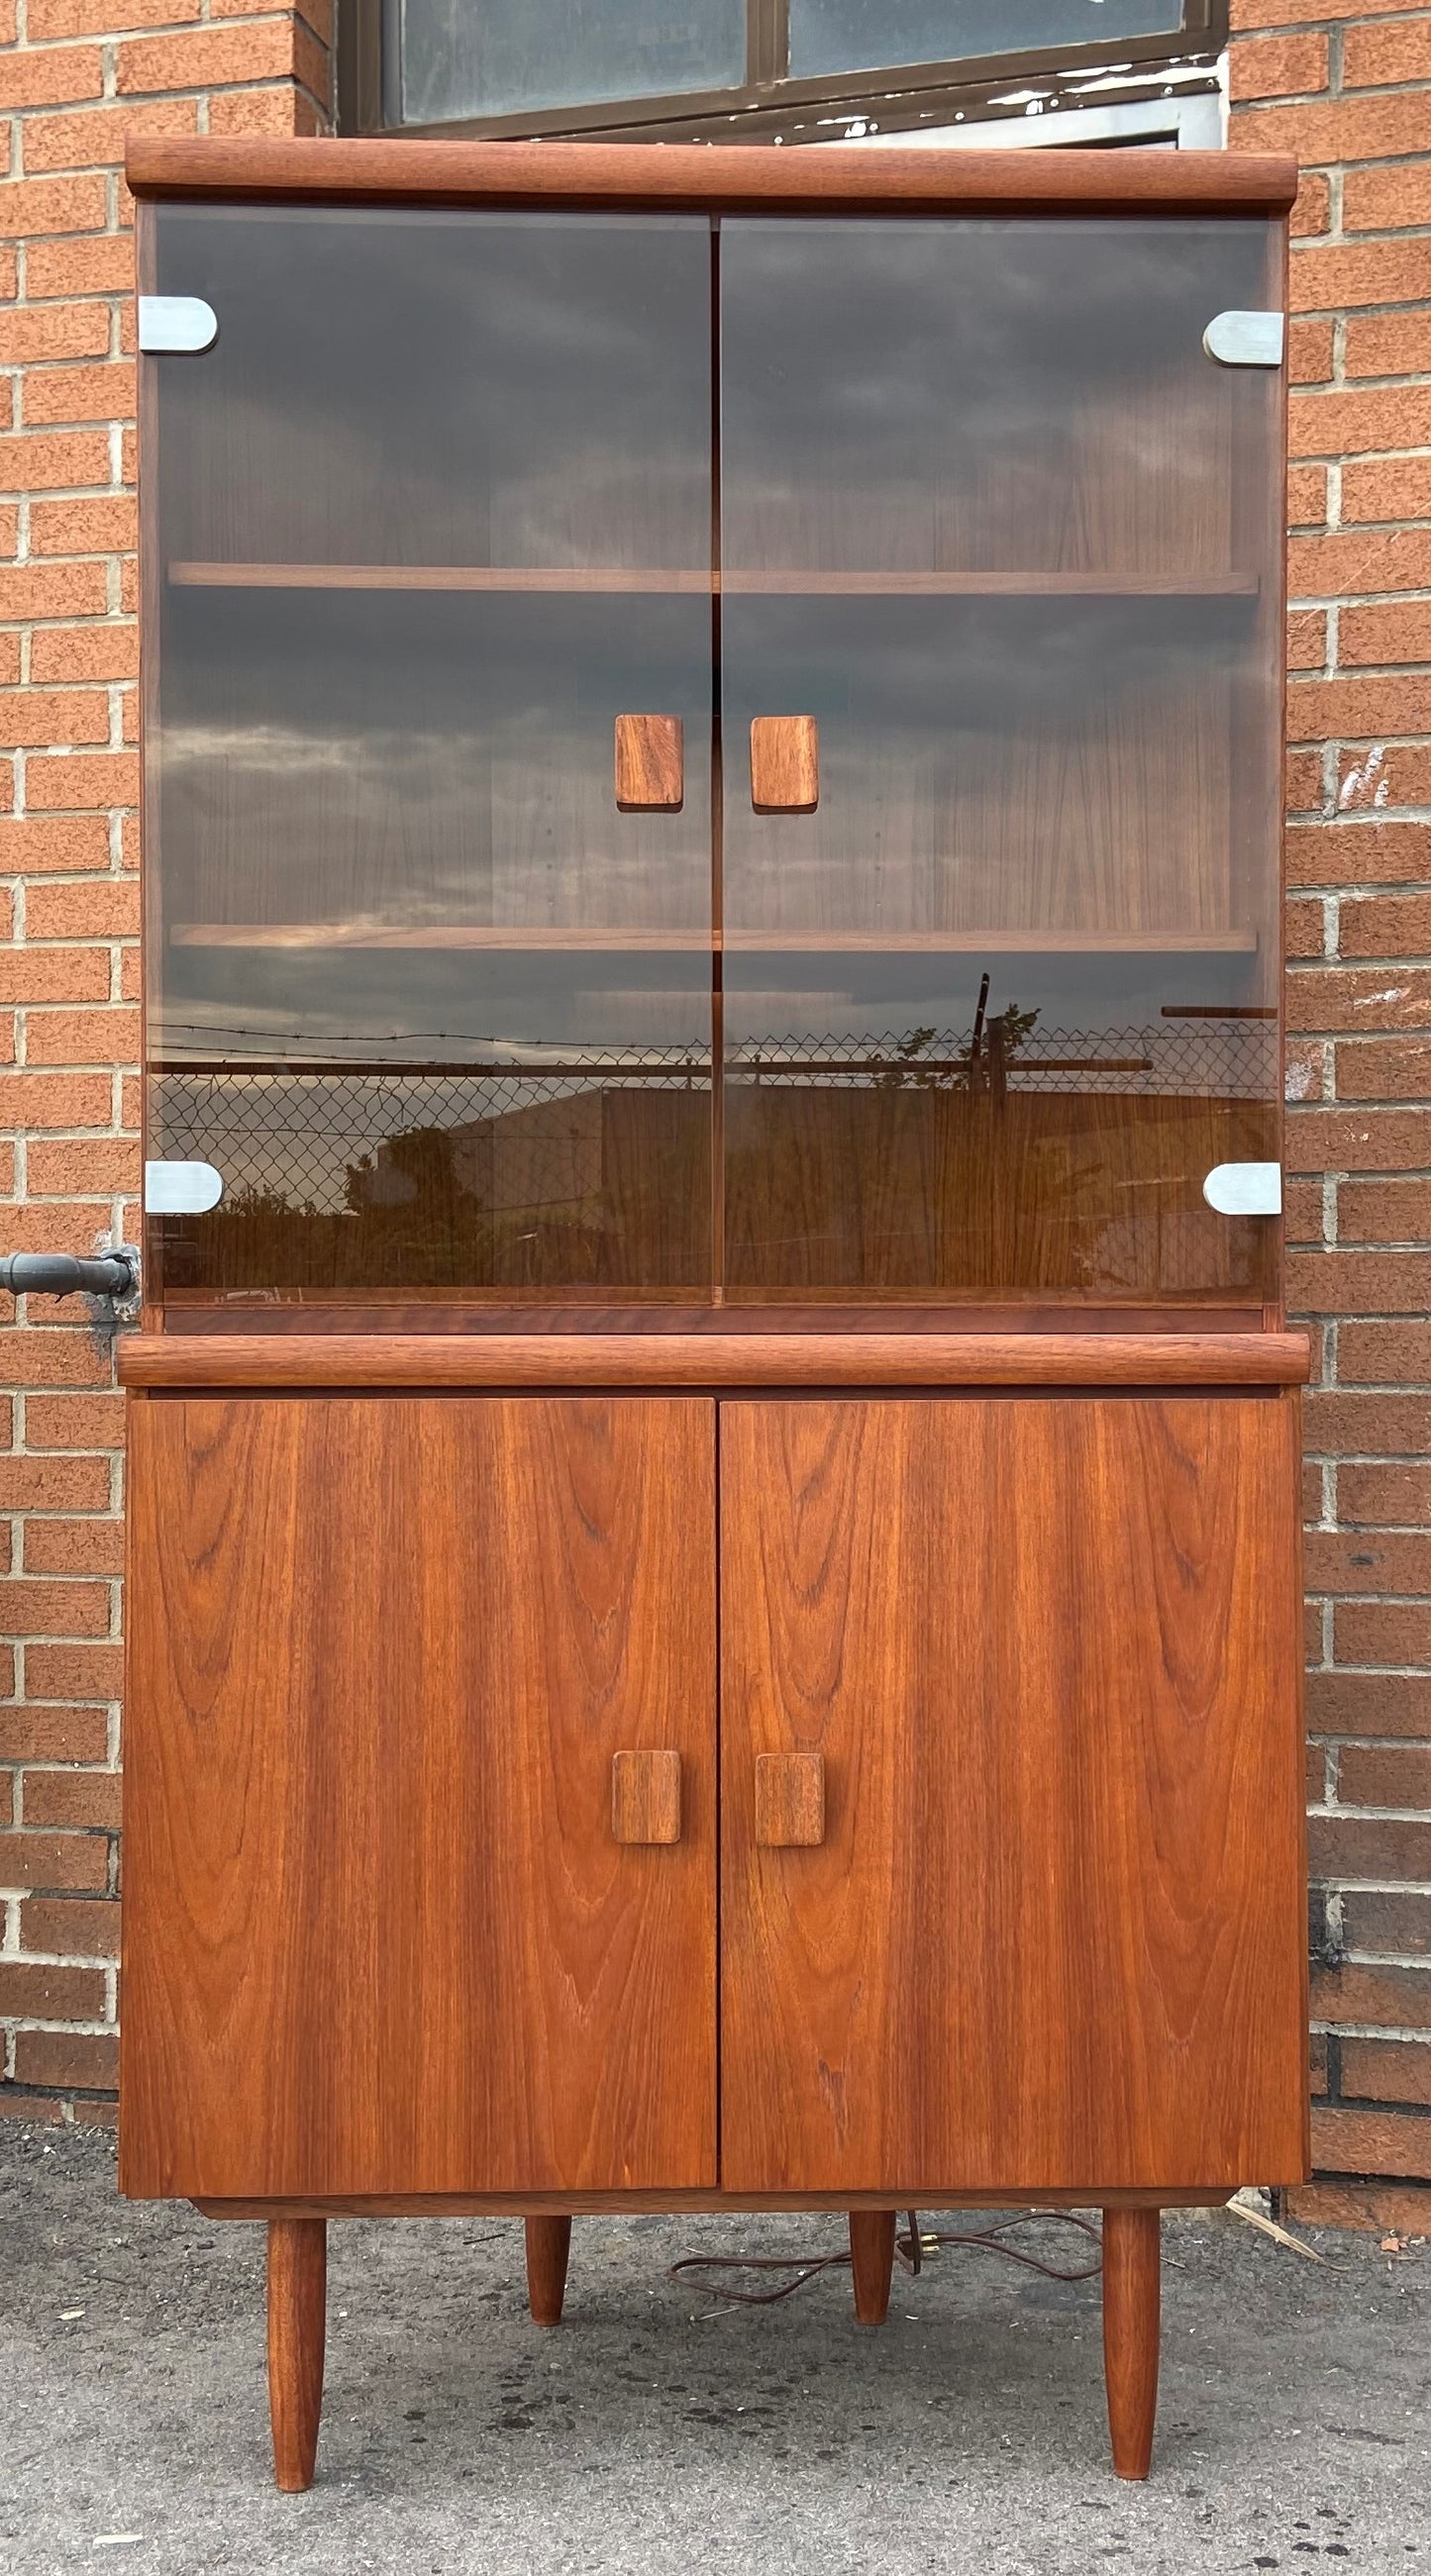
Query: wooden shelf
x,y
573,581
773,943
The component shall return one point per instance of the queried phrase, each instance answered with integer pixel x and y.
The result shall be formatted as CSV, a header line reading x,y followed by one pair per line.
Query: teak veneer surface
x,y
1049,1653
497,173
378,1934
637,582
487,2204
394,1360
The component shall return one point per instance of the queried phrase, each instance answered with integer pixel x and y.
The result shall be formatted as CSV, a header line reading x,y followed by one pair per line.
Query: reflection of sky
x,y
436,1005
1017,390
409,386
413,761
1041,763
764,995
418,759
425,1005
507,55
860,35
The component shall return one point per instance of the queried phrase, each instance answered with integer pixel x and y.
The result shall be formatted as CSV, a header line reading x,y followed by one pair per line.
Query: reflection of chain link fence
x,y
325,1139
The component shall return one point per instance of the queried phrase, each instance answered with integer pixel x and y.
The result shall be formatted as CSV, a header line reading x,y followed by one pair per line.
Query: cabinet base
x,y
702,2204
297,2288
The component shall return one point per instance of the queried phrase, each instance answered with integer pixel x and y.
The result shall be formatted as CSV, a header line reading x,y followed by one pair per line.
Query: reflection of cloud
x,y
421,758
425,387
853,35
280,751
1019,392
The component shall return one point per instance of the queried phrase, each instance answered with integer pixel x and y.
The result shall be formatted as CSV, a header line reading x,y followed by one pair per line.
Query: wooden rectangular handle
x,y
789,1798
646,1797
650,764
784,764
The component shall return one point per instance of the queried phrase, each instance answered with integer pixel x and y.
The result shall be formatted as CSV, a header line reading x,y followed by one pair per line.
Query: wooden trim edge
x,y
708,1360
392,169
675,2203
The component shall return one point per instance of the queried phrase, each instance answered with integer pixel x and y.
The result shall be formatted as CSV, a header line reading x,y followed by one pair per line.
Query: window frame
x,y
770,107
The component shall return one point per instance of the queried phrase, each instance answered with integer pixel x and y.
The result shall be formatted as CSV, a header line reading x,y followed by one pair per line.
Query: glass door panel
x,y
431,517
1000,547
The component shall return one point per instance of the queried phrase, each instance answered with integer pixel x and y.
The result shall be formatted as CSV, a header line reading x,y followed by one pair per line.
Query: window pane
x,y
860,35
462,59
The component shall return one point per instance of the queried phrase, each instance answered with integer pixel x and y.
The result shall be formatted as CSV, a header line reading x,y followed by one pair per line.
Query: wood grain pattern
x,y
1050,1654
378,1935
922,1185
417,1312
195,1360
646,1797
389,171
784,764
548,2252
872,2262
830,943
789,1799
660,580
488,2204
297,2327
1131,2306
617,579
650,764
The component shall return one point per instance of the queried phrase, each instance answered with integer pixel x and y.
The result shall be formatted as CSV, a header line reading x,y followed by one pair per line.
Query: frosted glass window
x,y
498,59
865,35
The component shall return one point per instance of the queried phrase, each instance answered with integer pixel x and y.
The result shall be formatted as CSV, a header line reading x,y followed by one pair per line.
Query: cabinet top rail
x,y
747,175
714,1359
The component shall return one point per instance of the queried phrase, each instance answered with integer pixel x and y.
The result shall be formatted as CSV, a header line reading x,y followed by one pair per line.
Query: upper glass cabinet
x,y
711,765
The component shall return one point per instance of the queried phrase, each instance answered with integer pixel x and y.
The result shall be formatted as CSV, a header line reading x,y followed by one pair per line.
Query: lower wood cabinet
x,y
547,1802
1010,1833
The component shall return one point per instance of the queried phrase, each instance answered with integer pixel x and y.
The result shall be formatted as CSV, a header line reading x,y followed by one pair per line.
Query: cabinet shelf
x,y
573,581
820,943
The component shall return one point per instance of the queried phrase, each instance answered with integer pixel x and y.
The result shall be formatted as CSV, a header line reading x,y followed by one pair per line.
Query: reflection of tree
x,y
994,1042
418,1213
1003,1156
414,1166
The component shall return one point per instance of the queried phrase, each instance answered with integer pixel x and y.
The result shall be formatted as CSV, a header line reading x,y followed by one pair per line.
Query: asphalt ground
x,y
658,2429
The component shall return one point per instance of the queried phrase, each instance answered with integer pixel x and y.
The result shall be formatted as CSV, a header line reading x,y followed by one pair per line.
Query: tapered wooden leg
x,y
1130,2334
297,2296
548,2245
872,2262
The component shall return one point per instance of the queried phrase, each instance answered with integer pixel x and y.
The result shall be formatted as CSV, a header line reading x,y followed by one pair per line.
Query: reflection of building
x,y
545,1156
512,1137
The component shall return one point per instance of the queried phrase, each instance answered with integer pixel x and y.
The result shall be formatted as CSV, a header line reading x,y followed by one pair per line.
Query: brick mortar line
x,y
1344,1884
1331,1811
104,40
16,2022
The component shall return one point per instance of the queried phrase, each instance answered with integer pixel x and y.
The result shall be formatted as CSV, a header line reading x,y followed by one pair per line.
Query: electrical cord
x,y
911,2249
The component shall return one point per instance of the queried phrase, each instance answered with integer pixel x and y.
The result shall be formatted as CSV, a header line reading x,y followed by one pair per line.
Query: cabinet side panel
x,y
380,1935
1050,1653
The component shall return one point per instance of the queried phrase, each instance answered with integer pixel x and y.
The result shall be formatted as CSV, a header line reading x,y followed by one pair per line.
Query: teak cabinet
x,y
714,1592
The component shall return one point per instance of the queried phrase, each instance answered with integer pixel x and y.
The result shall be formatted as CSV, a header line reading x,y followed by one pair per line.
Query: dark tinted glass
x,y
431,515
998,525
459,59
859,35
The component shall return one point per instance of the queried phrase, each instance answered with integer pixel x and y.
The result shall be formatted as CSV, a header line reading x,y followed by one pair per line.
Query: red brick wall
x,y
1348,89
74,76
